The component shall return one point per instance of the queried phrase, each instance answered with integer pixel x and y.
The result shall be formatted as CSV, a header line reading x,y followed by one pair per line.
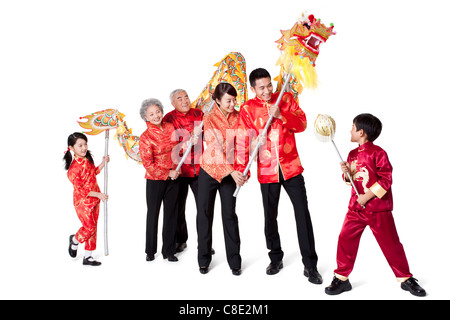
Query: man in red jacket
x,y
184,119
278,165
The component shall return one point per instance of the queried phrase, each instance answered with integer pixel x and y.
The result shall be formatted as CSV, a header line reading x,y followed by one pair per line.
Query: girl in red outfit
x,y
86,195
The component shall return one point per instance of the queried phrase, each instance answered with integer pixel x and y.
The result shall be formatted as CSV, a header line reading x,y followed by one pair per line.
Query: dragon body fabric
x,y
231,69
299,47
113,119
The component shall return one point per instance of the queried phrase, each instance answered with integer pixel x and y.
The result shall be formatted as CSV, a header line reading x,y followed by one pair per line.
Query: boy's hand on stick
x,y
345,167
364,198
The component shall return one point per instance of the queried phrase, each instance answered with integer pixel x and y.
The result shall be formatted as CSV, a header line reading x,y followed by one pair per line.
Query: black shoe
x,y
181,246
313,276
413,287
338,286
150,257
72,253
203,270
274,267
170,257
90,262
236,271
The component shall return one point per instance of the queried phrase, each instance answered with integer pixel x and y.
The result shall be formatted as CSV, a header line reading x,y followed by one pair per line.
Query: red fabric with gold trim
x,y
82,174
219,135
155,147
188,121
280,147
371,169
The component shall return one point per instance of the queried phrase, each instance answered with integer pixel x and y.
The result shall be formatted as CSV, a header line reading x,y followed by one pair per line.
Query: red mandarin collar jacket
x,y
371,170
155,147
188,121
83,174
281,148
219,134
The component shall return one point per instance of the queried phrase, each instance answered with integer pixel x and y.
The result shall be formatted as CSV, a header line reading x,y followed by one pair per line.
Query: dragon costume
x,y
299,48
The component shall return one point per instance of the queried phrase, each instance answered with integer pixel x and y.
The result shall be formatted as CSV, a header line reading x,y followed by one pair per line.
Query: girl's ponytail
x,y
67,159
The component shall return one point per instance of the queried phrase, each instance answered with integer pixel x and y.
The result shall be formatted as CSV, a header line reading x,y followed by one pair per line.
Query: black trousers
x,y
166,192
207,189
185,183
295,188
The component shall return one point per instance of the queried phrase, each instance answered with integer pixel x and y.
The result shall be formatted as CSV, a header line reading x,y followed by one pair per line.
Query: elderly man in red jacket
x,y
184,119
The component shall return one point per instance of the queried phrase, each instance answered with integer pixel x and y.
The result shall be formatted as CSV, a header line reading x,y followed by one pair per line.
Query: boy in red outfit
x,y
371,172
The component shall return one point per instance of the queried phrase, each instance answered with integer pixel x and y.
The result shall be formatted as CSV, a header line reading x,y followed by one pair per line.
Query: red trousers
x,y
87,234
383,228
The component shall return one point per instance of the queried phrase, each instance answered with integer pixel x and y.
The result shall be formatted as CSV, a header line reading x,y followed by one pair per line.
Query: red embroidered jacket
x,y
83,174
184,124
155,147
280,149
371,169
219,135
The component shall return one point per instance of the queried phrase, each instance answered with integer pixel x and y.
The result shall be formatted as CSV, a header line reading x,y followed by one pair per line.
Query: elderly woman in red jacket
x,y
155,146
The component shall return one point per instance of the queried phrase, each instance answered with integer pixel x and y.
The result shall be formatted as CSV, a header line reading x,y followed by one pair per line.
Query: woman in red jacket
x,y
217,174
155,146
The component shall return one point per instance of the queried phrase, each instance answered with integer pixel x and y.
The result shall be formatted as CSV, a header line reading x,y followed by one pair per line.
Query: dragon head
x,y
99,121
306,36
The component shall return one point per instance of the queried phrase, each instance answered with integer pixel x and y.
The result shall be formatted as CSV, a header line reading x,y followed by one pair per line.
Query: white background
x,y
60,60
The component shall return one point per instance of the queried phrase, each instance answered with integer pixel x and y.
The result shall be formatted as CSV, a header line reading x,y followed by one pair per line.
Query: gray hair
x,y
174,92
147,103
